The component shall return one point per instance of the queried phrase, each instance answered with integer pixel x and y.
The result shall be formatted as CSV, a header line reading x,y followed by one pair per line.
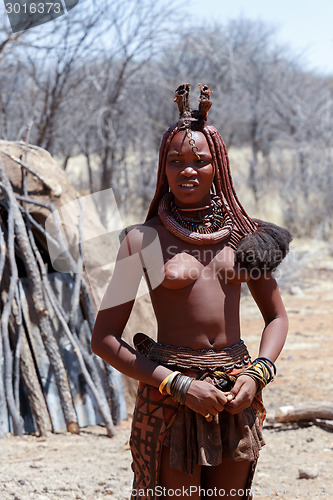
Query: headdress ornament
x,y
186,114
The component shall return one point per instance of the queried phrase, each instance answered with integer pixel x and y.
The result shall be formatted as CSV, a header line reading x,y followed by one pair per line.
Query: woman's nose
x,y
188,170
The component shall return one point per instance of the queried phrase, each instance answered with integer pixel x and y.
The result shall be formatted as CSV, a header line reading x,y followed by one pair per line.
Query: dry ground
x,y
92,467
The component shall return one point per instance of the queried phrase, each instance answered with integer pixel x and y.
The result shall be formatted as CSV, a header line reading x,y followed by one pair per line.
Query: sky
x,y
304,25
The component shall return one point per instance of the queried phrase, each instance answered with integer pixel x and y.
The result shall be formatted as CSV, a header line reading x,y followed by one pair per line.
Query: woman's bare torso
x,y
197,303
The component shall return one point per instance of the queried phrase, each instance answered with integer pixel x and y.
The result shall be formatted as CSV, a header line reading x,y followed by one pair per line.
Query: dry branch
x,y
39,341
49,341
301,412
33,387
325,424
7,353
54,188
79,351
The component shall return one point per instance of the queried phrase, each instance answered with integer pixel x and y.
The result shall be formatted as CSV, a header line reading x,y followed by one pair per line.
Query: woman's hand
x,y
241,395
202,397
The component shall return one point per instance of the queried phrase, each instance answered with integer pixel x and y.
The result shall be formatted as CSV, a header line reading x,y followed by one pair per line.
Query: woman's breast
x,y
181,271
184,269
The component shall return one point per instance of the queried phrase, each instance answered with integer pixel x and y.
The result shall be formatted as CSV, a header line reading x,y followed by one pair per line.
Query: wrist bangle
x,y
172,377
263,358
261,371
165,381
179,387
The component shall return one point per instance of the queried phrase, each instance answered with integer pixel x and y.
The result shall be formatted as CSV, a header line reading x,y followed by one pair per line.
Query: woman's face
x,y
190,178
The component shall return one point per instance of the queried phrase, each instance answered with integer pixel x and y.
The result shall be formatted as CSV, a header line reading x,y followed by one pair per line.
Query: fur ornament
x,y
264,249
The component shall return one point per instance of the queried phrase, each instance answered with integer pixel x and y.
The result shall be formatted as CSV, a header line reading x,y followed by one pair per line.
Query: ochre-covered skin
x,y
203,305
195,295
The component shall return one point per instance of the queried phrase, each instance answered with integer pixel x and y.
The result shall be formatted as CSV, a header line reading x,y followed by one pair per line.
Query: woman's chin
x,y
188,197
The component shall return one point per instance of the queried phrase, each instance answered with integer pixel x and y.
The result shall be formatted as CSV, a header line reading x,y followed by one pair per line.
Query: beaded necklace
x,y
193,231
210,223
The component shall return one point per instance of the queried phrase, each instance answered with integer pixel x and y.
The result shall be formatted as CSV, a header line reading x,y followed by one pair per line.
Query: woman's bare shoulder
x,y
141,235
154,223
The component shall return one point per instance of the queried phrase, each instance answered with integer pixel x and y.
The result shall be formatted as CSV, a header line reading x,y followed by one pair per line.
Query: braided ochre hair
x,y
222,183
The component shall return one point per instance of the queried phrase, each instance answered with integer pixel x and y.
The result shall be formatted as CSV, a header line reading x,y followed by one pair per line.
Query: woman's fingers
x,y
219,406
217,400
209,417
204,398
235,390
242,394
221,397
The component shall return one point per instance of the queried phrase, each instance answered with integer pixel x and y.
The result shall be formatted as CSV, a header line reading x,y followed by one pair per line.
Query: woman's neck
x,y
195,212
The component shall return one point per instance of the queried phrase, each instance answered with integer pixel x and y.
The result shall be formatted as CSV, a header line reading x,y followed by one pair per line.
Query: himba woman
x,y
198,417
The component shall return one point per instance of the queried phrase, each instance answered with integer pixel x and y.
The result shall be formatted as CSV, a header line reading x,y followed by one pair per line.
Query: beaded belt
x,y
227,358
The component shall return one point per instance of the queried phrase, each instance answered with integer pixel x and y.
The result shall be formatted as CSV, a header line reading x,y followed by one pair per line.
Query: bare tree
x,y
97,86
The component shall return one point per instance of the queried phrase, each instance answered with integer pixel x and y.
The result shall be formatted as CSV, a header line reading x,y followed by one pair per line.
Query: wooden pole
x,y
40,308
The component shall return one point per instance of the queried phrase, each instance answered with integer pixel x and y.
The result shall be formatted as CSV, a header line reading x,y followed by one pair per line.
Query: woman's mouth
x,y
188,185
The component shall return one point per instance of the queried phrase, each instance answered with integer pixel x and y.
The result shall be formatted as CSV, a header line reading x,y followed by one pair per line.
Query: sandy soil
x,y
91,466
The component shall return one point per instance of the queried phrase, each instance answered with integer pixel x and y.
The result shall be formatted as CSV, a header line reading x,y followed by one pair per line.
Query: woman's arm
x,y
107,343
111,320
266,293
201,396
116,307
